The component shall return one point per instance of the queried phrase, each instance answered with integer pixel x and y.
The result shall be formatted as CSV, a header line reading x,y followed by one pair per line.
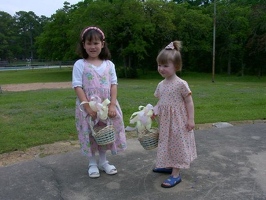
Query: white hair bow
x,y
170,46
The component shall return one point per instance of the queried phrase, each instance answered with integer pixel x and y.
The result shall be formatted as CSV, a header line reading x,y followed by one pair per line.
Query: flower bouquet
x,y
147,135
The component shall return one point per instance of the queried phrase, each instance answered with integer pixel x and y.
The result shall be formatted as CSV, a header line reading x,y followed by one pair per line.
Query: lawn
x,y
32,118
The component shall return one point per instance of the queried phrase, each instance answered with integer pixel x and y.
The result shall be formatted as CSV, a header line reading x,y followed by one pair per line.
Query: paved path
x,y
231,165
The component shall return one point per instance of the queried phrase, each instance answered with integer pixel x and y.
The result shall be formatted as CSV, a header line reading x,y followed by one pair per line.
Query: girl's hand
x,y
190,124
82,97
90,112
112,110
153,117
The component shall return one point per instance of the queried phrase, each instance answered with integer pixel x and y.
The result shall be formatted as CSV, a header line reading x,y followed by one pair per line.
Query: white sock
x,y
102,157
92,160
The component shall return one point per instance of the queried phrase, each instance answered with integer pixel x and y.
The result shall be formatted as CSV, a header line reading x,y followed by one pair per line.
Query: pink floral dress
x,y
96,84
176,146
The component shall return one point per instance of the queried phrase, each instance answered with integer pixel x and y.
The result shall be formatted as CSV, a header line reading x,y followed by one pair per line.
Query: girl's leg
x,y
104,164
93,170
92,160
175,172
102,157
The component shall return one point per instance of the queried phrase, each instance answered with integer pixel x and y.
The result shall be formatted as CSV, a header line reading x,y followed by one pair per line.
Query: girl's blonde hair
x,y
171,53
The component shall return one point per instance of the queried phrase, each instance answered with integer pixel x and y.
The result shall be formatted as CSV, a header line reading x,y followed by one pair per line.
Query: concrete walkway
x,y
231,165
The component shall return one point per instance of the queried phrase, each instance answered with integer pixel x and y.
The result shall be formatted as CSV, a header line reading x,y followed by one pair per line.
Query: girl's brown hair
x,y
89,34
171,53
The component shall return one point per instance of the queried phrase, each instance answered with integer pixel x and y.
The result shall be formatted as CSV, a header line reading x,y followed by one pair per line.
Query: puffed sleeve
x,y
185,90
113,73
77,73
157,91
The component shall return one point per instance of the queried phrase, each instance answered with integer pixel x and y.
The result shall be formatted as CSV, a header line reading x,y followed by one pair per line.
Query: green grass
x,y
36,75
214,102
44,116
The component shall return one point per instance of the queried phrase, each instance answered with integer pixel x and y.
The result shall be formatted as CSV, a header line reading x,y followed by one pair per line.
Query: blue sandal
x,y
171,182
163,170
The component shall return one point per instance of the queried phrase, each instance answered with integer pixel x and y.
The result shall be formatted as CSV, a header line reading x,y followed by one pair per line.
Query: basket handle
x,y
91,126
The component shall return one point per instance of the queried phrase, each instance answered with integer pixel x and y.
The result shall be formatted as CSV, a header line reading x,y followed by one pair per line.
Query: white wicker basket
x,y
103,135
149,138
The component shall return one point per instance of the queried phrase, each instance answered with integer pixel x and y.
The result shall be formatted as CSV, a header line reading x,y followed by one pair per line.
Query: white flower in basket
x,y
147,135
102,134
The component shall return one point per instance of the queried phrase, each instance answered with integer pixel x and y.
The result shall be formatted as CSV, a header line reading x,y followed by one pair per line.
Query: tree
x,y
7,40
53,43
257,40
195,2
28,27
232,31
195,30
162,29
137,30
133,31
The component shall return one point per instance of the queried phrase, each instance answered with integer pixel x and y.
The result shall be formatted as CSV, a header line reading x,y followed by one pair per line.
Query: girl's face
x,y
167,70
93,47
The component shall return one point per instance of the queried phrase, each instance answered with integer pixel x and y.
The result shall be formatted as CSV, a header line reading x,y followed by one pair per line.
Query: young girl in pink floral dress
x,y
94,76
175,110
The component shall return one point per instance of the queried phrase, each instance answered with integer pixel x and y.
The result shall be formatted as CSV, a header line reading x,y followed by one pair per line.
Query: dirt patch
x,y
35,86
38,151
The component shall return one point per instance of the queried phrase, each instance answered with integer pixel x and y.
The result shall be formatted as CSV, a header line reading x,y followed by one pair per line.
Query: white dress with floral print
x,y
96,81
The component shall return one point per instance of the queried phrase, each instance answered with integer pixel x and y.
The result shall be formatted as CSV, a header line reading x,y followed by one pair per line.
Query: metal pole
x,y
213,48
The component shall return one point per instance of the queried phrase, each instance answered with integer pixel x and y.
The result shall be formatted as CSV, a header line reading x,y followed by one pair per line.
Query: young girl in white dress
x,y
94,76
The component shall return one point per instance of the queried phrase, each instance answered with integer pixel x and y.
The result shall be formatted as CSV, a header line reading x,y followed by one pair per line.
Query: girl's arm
x,y
82,97
190,110
112,105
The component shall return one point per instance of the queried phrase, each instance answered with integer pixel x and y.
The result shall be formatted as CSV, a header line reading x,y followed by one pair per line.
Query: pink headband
x,y
92,28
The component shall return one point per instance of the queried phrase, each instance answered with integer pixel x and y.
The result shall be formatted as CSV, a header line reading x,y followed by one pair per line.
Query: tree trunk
x,y
229,65
125,67
129,61
242,68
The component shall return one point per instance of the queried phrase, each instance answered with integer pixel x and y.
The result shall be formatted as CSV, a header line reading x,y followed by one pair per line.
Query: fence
x,y
3,63
34,63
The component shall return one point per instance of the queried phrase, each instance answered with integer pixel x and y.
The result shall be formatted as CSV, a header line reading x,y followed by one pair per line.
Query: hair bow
x,y
170,46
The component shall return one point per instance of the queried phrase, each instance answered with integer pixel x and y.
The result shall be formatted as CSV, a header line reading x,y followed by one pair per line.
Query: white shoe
x,y
108,169
93,171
